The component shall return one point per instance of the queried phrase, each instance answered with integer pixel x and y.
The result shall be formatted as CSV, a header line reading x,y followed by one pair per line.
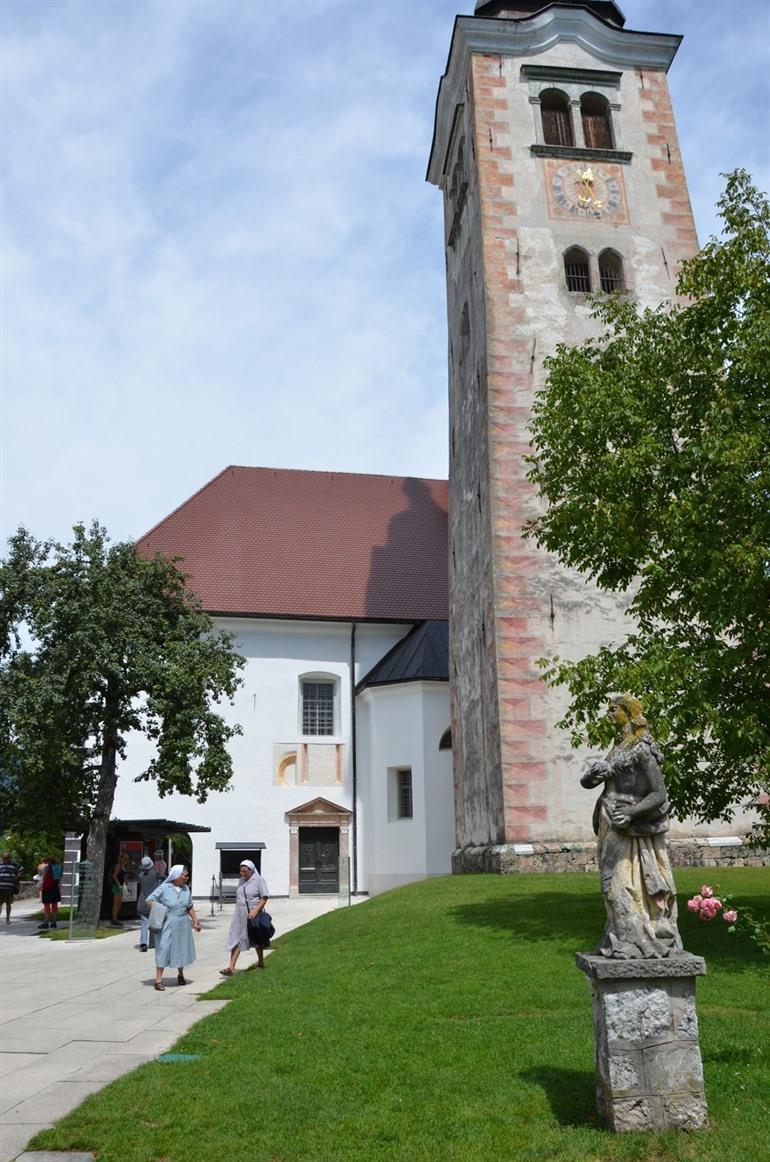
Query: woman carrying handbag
x,y
174,944
250,899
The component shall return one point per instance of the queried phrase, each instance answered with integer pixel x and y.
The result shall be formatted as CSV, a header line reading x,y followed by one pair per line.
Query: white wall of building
x,y
267,706
399,726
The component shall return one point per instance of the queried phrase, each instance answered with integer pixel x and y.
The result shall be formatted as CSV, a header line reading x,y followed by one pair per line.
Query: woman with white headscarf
x,y
174,944
250,898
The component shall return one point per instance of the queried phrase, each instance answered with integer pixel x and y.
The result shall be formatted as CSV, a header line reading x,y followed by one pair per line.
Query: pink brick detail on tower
x,y
671,187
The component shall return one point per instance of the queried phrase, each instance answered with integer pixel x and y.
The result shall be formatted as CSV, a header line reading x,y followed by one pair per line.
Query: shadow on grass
x,y
570,1092
570,919
578,921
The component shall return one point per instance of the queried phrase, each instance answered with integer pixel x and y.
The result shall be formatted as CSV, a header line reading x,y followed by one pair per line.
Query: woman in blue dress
x,y
174,944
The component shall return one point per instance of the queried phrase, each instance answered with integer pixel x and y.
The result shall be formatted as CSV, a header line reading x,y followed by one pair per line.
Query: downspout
x,y
353,764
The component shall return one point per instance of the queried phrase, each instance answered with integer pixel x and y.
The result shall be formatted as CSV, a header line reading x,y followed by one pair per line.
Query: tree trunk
x,y
92,878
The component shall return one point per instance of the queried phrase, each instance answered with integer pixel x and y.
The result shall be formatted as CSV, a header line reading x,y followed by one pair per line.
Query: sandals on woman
x,y
226,972
159,985
180,978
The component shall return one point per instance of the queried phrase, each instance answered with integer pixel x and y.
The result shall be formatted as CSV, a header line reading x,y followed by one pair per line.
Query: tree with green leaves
x,y
97,642
652,452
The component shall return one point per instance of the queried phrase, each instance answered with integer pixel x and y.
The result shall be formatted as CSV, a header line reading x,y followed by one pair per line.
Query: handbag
x,y
262,919
157,916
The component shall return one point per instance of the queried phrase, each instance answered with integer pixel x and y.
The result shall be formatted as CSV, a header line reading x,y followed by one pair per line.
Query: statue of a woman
x,y
630,821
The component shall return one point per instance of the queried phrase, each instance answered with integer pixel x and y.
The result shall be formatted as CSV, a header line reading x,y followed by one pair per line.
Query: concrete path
x,y
74,1016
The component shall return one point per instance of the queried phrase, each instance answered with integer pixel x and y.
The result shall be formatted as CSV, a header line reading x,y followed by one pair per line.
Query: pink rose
x,y
709,908
695,903
730,916
707,891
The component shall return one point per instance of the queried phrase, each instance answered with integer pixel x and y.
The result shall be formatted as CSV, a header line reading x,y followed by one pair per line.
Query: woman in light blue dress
x,y
174,944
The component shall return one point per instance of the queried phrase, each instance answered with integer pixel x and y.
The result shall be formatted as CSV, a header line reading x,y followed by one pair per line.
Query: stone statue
x,y
630,821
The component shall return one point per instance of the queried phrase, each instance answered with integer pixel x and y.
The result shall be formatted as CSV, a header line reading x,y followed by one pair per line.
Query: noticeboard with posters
x,y
131,852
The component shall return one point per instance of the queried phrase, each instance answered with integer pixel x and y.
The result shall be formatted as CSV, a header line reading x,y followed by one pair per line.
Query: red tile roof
x,y
283,543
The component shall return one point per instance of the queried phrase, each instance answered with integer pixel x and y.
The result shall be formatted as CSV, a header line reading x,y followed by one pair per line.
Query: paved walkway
x,y
74,1016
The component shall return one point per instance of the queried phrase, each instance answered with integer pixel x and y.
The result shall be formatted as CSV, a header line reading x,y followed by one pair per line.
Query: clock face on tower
x,y
581,190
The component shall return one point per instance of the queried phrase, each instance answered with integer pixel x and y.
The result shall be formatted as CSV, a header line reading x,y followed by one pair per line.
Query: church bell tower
x,y
556,152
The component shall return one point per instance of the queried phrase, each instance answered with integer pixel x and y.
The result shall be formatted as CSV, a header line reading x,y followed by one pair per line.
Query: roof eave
x,y
530,36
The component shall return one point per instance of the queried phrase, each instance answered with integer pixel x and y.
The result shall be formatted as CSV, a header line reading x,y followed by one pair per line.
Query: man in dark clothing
x,y
9,883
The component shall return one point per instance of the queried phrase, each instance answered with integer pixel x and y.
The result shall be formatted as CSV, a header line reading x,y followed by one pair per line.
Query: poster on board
x,y
131,852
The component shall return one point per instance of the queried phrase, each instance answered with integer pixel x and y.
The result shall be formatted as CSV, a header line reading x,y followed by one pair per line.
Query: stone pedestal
x,y
649,1074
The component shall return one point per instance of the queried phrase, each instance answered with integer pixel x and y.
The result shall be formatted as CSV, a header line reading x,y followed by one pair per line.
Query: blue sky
x,y
219,246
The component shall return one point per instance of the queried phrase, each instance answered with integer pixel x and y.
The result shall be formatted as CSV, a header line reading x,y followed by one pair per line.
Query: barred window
x,y
610,271
597,124
557,118
318,708
400,804
577,270
405,794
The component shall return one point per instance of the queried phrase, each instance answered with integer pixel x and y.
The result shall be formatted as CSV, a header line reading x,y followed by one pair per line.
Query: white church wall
x,y
267,706
399,728
439,790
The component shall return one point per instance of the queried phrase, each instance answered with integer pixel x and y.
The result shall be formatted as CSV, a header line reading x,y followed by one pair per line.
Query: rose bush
x,y
707,906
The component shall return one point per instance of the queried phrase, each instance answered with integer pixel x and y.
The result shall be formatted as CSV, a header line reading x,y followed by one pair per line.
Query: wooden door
x,y
319,860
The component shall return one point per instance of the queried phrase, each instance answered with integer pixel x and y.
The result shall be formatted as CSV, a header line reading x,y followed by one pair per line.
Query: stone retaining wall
x,y
511,858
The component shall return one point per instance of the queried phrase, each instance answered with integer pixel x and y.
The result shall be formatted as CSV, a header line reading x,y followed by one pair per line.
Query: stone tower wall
x,y
479,805
508,306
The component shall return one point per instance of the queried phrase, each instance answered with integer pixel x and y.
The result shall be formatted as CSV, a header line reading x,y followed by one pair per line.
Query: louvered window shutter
x,y
557,127
596,131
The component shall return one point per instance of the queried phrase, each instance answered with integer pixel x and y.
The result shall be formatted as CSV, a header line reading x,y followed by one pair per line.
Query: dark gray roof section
x,y
239,846
605,9
421,656
160,826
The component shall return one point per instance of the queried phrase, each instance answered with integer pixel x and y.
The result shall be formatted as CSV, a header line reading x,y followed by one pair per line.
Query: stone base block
x,y
649,1074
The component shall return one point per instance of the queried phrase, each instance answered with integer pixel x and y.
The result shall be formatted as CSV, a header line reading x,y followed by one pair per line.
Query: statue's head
x,y
625,710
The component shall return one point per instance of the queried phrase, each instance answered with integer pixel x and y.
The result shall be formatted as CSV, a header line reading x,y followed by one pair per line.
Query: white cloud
x,y
220,247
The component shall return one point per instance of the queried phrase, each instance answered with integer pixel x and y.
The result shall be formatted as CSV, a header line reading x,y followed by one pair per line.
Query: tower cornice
x,y
623,48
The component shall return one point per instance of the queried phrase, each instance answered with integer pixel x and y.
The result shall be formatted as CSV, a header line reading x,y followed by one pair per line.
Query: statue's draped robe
x,y
636,878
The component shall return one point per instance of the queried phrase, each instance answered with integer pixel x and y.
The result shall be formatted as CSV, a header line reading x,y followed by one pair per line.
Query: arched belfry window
x,y
577,270
597,123
557,118
611,272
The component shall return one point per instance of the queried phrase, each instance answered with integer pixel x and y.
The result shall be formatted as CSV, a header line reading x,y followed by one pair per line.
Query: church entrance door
x,y
319,860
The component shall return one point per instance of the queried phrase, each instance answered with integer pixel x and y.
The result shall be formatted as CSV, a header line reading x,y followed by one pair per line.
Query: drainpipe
x,y
354,769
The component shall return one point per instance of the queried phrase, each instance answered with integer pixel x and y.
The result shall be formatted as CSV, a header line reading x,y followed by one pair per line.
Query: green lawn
x,y
443,1021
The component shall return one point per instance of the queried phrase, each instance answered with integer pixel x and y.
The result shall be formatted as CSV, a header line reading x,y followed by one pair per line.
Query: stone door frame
x,y
316,813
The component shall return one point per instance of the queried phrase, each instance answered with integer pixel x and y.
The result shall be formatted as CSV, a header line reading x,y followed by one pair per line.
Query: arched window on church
x,y
611,272
319,704
445,742
597,123
557,118
577,270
